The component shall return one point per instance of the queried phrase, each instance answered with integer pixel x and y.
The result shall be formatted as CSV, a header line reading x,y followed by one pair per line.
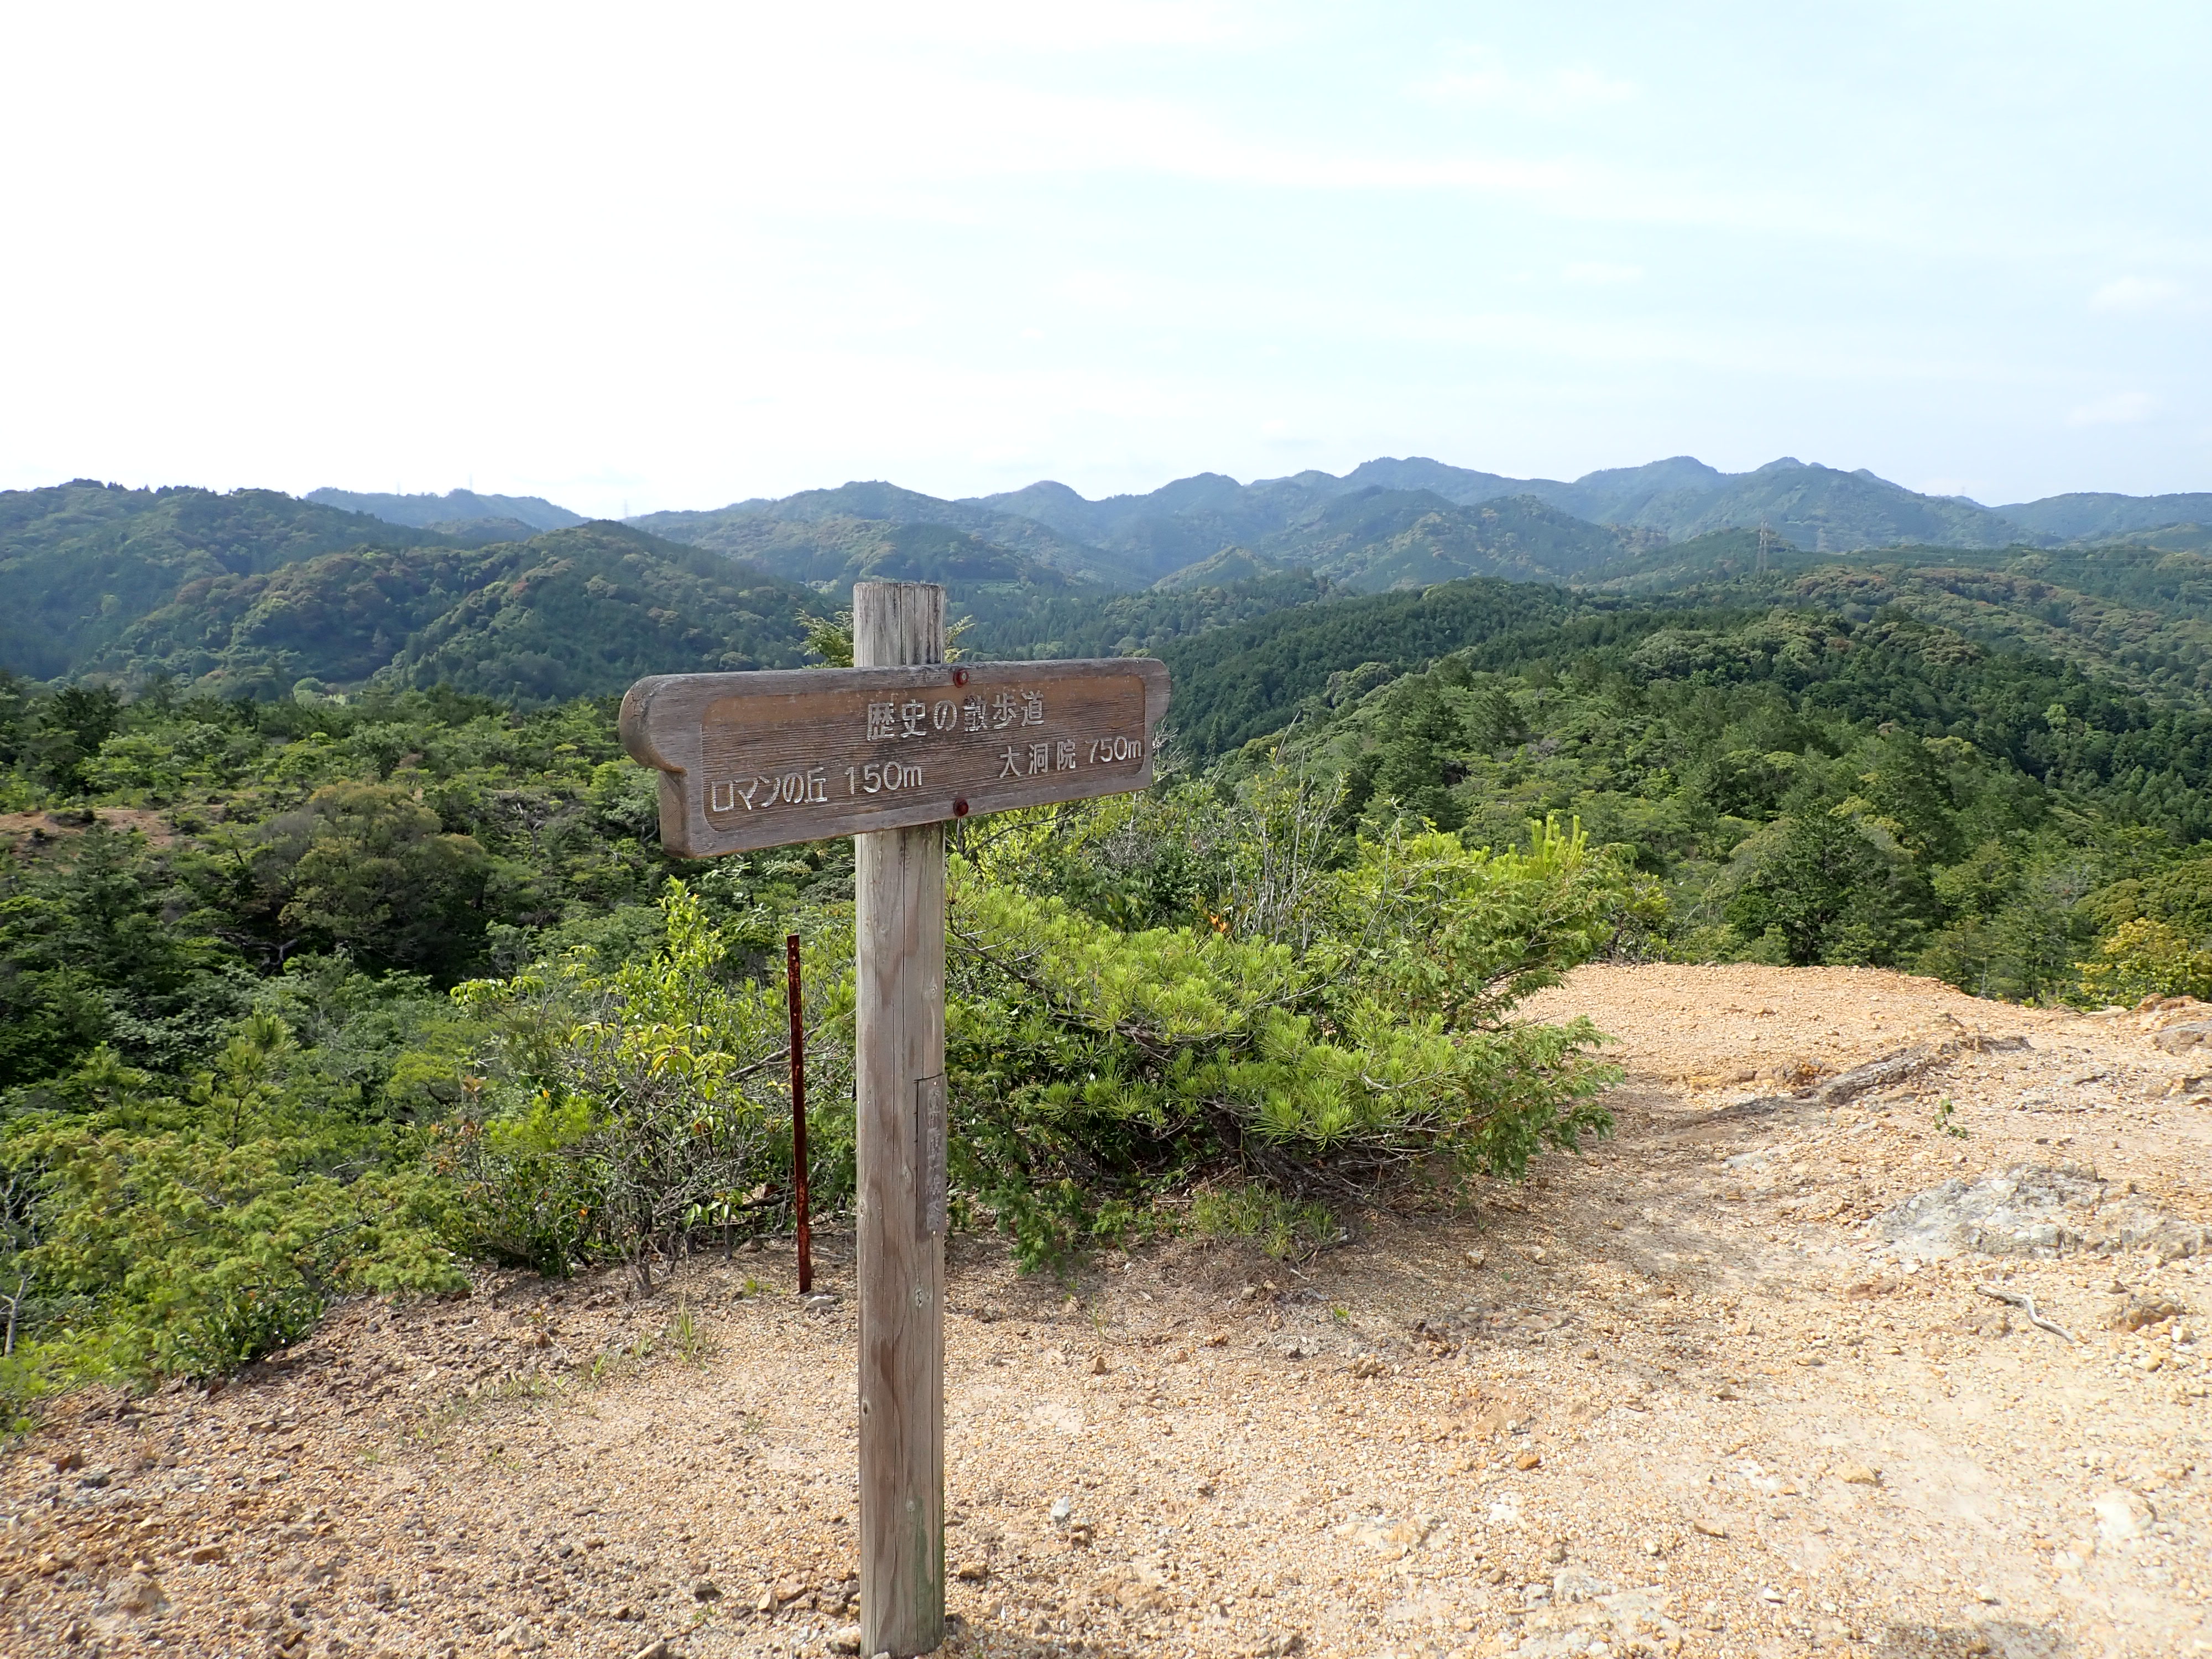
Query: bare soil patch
x,y
27,832
1688,1393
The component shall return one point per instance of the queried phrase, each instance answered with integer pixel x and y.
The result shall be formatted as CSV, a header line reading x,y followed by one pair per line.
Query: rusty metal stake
x,y
799,1115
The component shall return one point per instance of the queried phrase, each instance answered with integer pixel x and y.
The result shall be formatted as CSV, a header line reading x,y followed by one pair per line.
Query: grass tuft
x,y
1284,1228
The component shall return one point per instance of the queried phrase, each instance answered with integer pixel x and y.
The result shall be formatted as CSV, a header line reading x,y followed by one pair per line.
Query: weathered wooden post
x,y
891,749
899,1069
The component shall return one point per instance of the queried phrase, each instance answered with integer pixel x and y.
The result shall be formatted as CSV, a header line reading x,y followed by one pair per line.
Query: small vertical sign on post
x,y
889,751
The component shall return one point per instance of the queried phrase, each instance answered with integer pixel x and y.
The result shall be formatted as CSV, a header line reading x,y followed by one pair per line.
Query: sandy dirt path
x,y
1703,1391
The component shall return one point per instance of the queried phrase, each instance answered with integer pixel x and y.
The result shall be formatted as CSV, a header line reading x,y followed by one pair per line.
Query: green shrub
x,y
2145,958
624,1108
186,1234
1089,1063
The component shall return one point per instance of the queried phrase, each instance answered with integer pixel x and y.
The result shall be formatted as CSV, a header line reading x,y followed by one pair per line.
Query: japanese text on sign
x,y
759,759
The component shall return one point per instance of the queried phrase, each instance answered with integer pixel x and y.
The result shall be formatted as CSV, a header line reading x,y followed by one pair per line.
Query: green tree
x,y
67,730
1823,885
98,944
1315,1056
367,869
1907,786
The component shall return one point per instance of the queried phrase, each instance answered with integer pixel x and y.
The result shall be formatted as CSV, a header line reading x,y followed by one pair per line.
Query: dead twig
x,y
1879,1073
2026,1304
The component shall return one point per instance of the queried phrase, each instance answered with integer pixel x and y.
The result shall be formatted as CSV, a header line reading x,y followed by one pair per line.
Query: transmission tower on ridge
x,y
1766,540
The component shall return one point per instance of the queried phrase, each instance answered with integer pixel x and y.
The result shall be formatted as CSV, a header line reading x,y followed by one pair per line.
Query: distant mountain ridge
x,y
874,503
259,594
1816,508
454,511
1411,522
1178,533
2085,516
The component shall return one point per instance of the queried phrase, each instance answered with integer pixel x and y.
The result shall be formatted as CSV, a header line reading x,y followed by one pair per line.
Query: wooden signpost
x,y
889,750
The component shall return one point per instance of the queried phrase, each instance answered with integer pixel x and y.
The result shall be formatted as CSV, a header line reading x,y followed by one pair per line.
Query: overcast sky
x,y
643,257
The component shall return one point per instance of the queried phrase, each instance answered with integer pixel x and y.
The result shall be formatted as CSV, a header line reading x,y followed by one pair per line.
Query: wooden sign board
x,y
889,751
767,758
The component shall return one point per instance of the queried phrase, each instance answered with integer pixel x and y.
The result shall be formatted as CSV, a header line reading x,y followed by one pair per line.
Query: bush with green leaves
x,y
2146,957
1322,1015
623,1108
1357,1023
184,1234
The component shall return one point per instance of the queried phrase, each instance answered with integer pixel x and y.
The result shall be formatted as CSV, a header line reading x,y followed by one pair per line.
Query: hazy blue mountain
x,y
1454,483
1142,539
884,505
1612,496
1110,517
2080,516
1817,507
1374,539
1047,503
1180,524
989,583
453,510
1136,540
1616,494
1376,527
1820,508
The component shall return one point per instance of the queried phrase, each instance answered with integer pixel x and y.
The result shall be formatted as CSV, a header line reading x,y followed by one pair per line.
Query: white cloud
x,y
2121,409
2136,294
1598,273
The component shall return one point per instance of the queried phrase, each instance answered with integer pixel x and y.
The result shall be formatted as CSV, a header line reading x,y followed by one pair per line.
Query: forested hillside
x,y
1380,539
227,592
1244,680
2141,616
1089,624
571,613
337,949
303,998
255,593
1810,788
81,561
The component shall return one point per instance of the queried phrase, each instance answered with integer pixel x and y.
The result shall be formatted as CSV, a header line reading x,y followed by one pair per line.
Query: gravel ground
x,y
1716,1388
